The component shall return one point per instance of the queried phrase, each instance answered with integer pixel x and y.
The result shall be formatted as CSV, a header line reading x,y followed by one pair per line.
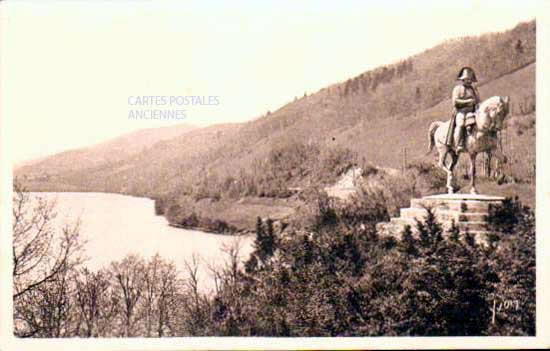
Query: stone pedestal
x,y
469,212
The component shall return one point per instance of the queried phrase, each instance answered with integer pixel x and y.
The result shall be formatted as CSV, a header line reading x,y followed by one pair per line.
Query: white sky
x,y
67,68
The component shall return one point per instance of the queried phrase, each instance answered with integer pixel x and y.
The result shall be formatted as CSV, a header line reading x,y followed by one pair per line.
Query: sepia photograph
x,y
287,174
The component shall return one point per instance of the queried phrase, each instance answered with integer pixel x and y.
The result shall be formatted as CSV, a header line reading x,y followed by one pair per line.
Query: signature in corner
x,y
503,305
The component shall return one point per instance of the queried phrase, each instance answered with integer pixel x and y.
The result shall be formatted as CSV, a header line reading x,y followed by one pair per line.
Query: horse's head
x,y
494,111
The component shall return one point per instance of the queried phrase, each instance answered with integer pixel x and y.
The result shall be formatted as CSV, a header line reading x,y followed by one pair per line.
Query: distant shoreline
x,y
205,230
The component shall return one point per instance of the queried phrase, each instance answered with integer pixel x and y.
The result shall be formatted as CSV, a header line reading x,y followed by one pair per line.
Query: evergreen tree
x,y
429,231
454,232
269,244
265,243
251,264
470,239
444,293
407,243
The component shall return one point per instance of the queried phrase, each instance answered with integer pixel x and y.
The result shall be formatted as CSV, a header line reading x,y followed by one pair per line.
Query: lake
x,y
118,225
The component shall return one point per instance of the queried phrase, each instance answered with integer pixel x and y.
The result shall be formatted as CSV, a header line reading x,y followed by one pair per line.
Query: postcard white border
x,y
542,340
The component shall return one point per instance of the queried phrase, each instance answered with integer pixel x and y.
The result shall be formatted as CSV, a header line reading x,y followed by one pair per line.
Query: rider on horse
x,y
465,99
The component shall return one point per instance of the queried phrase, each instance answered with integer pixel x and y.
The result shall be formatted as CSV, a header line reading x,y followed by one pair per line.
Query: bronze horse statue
x,y
481,137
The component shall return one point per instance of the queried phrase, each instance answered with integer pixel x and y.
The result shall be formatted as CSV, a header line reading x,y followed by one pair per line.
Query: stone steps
x,y
444,215
462,225
453,205
395,230
469,212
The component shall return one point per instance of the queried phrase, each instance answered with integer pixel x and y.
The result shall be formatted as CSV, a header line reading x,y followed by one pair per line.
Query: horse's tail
x,y
431,132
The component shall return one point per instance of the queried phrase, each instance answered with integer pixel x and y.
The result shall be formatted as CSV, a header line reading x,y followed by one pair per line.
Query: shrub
x,y
515,257
160,204
393,192
425,178
510,216
367,207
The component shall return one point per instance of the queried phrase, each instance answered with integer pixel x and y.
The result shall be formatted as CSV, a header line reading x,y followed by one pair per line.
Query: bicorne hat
x,y
467,72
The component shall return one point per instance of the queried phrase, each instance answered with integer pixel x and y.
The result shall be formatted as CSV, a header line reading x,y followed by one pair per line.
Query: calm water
x,y
117,225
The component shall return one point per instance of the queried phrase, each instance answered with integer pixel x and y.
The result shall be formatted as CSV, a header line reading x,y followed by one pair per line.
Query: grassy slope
x,y
382,142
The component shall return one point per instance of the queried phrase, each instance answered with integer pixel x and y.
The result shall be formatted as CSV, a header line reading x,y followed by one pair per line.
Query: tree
x,y
129,287
47,310
515,256
519,47
265,244
269,244
42,260
407,244
256,256
429,230
454,232
444,288
96,303
160,296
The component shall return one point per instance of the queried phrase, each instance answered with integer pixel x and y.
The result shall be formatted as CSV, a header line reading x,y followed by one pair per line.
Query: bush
x,y
510,216
425,178
317,210
393,192
160,204
514,254
334,161
220,226
367,207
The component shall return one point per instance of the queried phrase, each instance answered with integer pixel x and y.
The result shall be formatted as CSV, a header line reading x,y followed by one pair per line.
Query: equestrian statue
x,y
472,129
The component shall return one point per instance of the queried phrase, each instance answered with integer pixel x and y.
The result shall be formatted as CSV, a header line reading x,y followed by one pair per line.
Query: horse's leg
x,y
442,156
473,157
443,152
454,162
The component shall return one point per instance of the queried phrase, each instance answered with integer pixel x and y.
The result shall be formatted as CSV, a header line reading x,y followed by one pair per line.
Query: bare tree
x,y
196,307
192,281
227,273
226,307
96,302
234,259
160,295
129,276
167,300
47,310
42,260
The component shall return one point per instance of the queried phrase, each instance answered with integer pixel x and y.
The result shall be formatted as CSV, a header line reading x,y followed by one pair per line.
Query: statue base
x,y
468,211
